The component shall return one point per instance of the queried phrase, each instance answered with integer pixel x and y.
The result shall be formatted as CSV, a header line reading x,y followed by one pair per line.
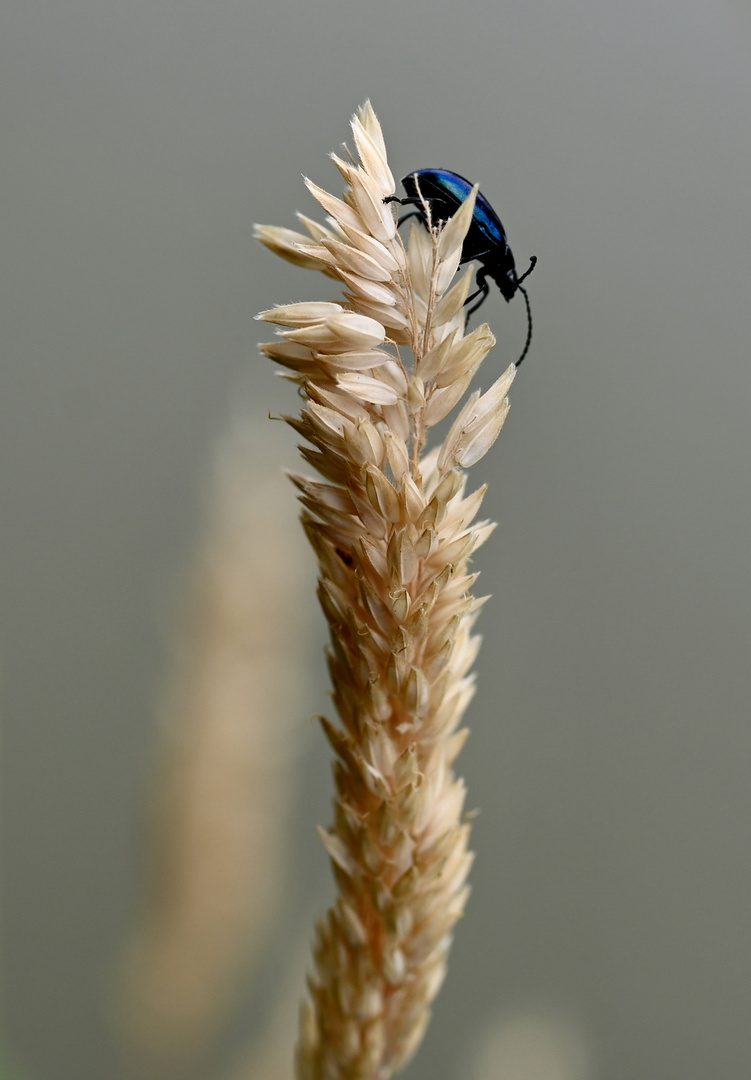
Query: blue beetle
x,y
442,192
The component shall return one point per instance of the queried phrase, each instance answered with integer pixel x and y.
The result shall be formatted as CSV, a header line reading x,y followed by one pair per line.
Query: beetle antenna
x,y
532,265
527,272
523,291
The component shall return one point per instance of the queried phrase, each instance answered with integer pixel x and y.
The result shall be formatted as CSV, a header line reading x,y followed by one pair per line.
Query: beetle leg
x,y
403,202
411,214
483,288
407,202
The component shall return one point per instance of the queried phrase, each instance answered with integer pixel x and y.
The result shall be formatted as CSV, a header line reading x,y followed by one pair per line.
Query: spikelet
x,y
393,530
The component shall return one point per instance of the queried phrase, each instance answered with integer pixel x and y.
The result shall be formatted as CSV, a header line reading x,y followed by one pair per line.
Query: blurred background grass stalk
x,y
222,785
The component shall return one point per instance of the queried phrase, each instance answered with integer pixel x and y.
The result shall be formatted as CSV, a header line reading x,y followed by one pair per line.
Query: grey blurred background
x,y
611,743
